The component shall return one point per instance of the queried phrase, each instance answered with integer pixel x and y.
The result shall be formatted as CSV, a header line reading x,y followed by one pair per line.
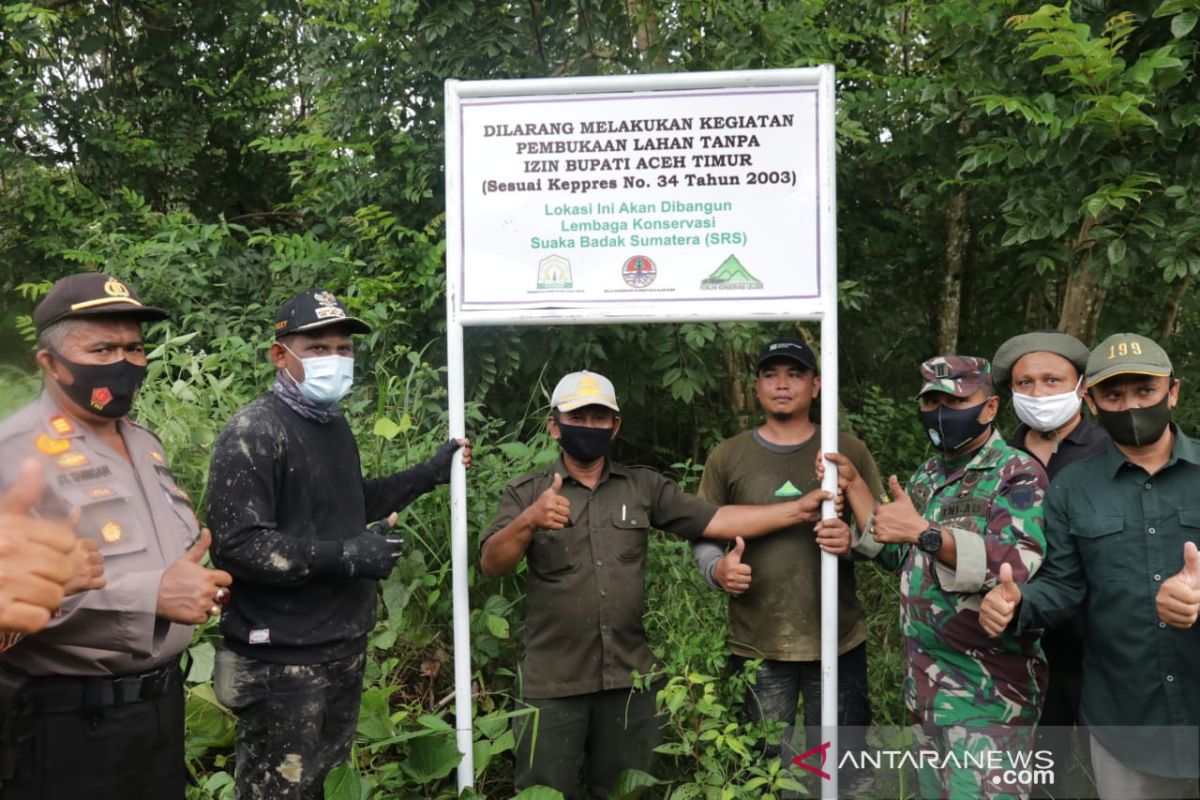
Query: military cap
x,y
1012,351
960,376
581,389
790,349
313,310
1127,354
91,294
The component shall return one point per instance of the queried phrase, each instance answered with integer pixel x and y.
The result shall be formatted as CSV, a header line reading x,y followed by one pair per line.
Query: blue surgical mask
x,y
326,378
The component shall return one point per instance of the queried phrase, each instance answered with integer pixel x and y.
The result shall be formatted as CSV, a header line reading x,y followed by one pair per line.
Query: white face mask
x,y
1047,413
326,378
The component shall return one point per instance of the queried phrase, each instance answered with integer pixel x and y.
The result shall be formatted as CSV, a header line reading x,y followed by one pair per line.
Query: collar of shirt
x,y
1184,448
1082,435
51,413
611,469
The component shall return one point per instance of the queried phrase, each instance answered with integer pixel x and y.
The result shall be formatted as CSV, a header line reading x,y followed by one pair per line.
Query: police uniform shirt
x,y
143,521
585,584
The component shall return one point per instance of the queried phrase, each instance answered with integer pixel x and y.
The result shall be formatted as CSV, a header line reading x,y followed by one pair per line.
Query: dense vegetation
x,y
1001,167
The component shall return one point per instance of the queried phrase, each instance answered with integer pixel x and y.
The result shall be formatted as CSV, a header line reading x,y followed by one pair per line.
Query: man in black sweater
x,y
289,512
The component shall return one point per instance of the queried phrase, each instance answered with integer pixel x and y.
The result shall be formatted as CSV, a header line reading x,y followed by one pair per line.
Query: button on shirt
x,y
1114,535
143,521
585,584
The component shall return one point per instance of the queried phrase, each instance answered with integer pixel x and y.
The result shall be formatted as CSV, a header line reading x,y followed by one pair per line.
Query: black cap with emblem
x,y
312,310
91,294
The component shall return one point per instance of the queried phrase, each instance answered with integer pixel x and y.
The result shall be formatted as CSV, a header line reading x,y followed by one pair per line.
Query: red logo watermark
x,y
823,751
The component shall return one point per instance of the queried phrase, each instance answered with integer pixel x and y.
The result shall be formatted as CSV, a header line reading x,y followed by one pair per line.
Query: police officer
x,y
289,508
104,681
970,511
583,524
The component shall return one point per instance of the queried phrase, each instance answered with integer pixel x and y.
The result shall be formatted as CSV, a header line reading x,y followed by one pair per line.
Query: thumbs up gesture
x,y
1000,604
732,575
188,592
1178,600
551,510
35,557
898,522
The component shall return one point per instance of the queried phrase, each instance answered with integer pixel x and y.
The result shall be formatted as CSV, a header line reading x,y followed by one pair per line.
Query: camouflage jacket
x,y
991,504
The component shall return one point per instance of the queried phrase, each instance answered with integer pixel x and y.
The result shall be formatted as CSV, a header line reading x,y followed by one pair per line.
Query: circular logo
x,y
639,272
114,288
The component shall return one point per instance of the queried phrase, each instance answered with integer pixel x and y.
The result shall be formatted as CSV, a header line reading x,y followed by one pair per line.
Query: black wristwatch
x,y
930,539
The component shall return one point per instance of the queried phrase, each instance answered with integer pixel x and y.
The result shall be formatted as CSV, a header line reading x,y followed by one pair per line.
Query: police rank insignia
x,y
72,460
51,447
61,425
157,456
99,493
111,531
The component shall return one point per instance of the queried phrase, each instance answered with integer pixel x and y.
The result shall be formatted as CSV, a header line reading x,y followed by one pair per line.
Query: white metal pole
x,y
829,425
459,563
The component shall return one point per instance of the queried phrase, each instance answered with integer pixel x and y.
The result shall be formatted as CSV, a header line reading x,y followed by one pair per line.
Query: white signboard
x,y
668,200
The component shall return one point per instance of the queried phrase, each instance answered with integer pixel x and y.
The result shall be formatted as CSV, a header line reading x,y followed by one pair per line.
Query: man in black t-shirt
x,y
289,512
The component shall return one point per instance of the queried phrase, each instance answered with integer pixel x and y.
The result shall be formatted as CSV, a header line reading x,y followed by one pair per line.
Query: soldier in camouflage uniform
x,y
969,510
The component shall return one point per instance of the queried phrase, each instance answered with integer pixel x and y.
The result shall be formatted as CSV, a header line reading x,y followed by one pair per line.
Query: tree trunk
x,y
1170,319
1083,296
958,236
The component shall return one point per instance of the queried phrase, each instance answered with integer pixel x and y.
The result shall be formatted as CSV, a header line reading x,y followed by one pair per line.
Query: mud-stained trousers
x,y
294,722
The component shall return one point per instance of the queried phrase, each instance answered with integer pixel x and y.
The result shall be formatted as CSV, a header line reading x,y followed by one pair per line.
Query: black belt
x,y
58,694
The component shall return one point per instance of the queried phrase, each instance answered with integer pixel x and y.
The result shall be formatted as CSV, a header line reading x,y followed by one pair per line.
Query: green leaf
x,y
202,656
386,428
632,784
496,625
1116,251
343,783
1182,24
539,793
431,758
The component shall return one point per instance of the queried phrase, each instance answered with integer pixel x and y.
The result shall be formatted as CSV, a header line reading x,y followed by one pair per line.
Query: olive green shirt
x,y
779,616
1114,534
585,585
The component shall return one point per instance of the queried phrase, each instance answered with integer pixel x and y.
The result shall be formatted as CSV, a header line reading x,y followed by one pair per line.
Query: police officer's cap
x,y
92,294
312,310
1056,342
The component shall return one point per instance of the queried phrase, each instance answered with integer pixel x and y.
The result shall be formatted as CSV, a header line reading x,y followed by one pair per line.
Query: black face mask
x,y
583,443
1136,427
106,390
951,428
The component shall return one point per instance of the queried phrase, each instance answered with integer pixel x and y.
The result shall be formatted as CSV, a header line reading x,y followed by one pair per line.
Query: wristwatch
x,y
930,539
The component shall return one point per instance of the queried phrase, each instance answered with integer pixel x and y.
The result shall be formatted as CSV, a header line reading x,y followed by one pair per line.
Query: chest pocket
x,y
1102,541
180,503
108,516
629,535
553,554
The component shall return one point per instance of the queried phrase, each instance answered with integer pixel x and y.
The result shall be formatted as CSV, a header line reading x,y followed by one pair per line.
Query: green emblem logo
x,y
788,490
731,275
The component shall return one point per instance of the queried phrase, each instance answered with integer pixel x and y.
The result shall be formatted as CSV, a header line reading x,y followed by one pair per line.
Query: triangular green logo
x,y
788,490
731,275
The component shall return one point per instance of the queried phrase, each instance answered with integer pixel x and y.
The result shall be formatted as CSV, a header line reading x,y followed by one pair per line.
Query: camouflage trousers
x,y
959,762
294,722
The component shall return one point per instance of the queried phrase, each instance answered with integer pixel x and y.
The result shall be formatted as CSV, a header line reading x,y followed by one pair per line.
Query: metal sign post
x,y
693,197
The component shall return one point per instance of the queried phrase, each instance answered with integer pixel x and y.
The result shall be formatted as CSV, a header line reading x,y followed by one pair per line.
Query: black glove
x,y
442,459
369,555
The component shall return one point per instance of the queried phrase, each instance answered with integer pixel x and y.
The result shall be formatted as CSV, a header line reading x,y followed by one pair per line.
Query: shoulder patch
x,y
1022,495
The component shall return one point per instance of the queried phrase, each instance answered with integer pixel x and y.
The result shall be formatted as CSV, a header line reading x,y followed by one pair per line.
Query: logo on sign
x,y
731,275
639,272
554,272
